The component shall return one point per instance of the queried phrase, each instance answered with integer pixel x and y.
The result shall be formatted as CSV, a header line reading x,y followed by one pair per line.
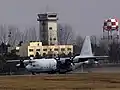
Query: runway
x,y
106,68
103,77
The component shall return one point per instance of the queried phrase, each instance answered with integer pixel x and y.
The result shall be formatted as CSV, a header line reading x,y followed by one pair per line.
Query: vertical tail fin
x,y
86,48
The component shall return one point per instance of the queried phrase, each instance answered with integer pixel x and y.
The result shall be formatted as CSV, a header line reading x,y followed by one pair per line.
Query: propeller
x,y
72,61
30,62
21,64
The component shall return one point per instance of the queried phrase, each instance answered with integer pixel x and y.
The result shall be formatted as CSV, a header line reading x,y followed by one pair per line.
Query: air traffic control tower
x,y
48,28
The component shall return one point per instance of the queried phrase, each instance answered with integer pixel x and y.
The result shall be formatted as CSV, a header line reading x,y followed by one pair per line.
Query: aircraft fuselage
x,y
48,65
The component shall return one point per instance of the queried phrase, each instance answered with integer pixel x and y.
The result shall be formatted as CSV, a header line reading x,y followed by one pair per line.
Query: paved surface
x,y
110,68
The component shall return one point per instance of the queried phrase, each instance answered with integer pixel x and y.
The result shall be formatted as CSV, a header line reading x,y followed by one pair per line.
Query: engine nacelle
x,y
64,66
20,65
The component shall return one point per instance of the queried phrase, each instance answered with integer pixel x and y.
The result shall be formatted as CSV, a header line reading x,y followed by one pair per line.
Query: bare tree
x,y
78,44
79,40
33,34
25,36
3,34
65,34
15,36
29,35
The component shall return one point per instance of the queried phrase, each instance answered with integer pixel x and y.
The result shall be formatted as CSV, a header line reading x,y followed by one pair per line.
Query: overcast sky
x,y
85,16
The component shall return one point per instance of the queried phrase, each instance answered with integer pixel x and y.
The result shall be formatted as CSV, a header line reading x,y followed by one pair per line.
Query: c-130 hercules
x,y
53,65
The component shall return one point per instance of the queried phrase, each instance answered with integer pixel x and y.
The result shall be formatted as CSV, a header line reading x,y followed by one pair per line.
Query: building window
x,y
55,49
50,49
44,49
31,50
44,54
31,55
62,49
52,15
50,39
38,44
54,38
37,49
50,28
69,49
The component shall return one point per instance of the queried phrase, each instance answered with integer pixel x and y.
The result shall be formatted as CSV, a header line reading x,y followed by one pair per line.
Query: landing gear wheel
x,y
33,73
52,72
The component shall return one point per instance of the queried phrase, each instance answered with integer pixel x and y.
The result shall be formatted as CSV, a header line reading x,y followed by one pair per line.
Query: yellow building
x,y
32,48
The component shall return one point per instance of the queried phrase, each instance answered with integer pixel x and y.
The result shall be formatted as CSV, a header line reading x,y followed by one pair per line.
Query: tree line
x,y
12,36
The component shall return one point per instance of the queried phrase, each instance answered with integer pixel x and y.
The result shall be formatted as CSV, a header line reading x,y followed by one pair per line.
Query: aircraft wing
x,y
9,61
90,57
101,57
85,58
24,61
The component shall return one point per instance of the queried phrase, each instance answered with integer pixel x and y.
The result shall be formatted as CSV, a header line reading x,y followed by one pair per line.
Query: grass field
x,y
84,81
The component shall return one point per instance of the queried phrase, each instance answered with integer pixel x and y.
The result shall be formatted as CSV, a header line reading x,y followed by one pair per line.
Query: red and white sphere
x,y
111,24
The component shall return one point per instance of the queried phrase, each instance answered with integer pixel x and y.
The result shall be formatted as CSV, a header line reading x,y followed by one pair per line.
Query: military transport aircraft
x,y
55,65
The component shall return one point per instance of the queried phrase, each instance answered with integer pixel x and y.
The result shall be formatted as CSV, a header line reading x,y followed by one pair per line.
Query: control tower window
x,y
50,28
54,38
51,15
